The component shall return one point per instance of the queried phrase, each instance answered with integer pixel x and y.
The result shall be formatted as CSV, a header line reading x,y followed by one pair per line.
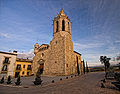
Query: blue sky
x,y
95,25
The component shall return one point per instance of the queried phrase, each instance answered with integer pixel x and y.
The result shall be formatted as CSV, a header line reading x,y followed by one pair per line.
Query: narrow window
x,y
23,72
6,60
57,24
18,67
67,65
68,26
78,70
27,73
42,54
4,68
23,66
63,25
29,67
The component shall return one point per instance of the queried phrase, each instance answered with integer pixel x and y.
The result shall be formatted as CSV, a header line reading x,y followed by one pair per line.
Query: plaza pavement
x,y
84,84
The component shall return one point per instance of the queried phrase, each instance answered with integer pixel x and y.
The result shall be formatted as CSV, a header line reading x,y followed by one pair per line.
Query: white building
x,y
7,63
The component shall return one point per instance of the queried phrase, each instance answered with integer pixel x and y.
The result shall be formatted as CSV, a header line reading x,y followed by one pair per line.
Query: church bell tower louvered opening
x,y
62,23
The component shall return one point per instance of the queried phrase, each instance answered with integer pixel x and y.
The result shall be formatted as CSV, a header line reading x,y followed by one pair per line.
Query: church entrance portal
x,y
41,67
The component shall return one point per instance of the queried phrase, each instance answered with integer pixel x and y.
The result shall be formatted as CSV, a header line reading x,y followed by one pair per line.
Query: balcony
x,y
3,71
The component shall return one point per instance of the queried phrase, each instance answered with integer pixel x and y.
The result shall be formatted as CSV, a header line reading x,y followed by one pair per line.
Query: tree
x,y
18,81
119,66
104,60
2,80
118,57
9,80
87,70
83,67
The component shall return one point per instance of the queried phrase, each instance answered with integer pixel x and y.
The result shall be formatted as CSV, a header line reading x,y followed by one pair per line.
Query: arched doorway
x,y
41,67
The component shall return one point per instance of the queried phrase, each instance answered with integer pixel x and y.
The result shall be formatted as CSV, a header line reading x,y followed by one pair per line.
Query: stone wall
x,y
69,55
55,63
79,62
38,58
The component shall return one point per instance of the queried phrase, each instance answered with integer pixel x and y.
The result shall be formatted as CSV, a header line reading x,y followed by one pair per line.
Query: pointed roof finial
x,y
62,13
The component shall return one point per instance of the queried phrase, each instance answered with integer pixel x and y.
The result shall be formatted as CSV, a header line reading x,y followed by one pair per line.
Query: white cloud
x,y
111,48
90,63
93,59
5,35
87,45
118,41
29,54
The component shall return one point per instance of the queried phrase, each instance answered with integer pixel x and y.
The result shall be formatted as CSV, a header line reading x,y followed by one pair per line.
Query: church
x,y
58,57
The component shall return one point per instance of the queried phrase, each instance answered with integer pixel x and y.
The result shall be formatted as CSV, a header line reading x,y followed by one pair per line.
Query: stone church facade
x,y
57,58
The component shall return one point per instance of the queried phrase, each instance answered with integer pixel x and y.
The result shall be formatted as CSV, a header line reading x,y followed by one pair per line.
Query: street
x,y
84,84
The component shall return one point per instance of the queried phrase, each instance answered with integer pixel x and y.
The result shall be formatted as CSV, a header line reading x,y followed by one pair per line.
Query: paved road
x,y
85,84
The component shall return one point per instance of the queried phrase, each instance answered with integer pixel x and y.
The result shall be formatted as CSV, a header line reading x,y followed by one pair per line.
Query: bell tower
x,y
61,23
61,47
58,57
36,48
